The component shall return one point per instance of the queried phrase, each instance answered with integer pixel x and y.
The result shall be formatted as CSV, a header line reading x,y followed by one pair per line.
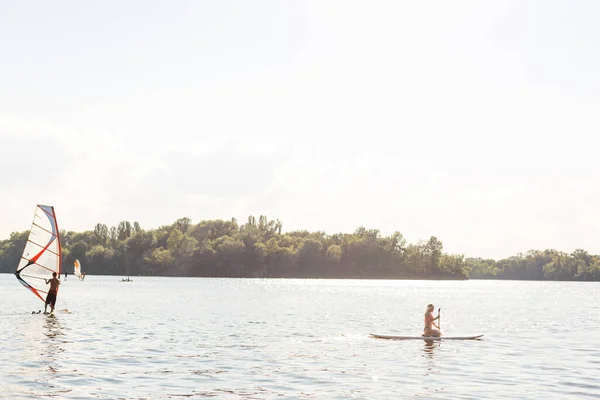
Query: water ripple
x,y
297,339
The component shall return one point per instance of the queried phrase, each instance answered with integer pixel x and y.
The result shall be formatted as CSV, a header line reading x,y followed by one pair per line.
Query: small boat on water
x,y
126,280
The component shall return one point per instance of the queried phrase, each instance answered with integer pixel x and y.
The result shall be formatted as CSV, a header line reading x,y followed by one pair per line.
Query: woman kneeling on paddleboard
x,y
429,324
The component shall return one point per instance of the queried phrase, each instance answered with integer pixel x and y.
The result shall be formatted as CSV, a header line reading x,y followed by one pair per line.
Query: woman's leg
x,y
431,332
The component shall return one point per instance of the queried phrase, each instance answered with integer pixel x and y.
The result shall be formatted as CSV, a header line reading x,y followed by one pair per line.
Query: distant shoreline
x,y
260,249
119,277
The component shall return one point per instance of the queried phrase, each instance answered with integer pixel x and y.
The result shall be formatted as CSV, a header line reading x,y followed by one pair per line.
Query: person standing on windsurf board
x,y
52,292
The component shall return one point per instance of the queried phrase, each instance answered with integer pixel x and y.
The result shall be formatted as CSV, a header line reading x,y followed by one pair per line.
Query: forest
x,y
259,249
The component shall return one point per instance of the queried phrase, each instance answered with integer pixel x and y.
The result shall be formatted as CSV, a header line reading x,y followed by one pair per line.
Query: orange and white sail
x,y
77,268
42,254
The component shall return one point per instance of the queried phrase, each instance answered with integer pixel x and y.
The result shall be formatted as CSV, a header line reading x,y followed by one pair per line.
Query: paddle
x,y
439,319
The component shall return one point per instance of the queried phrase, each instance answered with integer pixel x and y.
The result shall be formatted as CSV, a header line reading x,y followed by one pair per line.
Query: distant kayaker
x,y
429,322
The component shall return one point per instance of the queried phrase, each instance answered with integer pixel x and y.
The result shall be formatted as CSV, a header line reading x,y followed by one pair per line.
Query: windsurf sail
x,y
77,269
42,254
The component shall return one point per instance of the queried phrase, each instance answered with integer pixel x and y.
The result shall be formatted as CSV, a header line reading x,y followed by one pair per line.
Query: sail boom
x,y
41,266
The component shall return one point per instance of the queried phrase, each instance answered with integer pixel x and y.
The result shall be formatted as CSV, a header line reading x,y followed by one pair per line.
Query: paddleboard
x,y
426,337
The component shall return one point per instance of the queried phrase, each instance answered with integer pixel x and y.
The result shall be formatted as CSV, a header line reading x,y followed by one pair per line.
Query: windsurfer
x,y
429,322
52,292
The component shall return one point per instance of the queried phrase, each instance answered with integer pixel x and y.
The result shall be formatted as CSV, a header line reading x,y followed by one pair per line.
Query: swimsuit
x,y
51,297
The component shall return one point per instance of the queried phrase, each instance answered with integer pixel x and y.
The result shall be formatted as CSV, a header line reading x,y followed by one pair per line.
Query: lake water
x,y
191,338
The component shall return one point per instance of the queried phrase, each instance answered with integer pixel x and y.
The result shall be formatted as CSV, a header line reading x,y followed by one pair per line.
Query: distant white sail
x,y
77,268
42,254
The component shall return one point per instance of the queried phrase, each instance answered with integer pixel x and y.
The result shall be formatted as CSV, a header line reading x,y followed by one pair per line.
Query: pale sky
x,y
473,121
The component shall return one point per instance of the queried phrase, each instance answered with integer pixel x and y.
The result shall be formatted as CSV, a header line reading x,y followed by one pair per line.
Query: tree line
x,y
258,248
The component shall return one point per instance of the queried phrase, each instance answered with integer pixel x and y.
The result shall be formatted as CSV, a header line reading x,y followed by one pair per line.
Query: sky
x,y
471,121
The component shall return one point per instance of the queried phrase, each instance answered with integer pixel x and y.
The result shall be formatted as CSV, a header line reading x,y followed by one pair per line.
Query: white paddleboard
x,y
426,337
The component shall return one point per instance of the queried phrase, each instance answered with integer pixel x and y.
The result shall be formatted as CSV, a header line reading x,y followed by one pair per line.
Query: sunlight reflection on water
x,y
161,338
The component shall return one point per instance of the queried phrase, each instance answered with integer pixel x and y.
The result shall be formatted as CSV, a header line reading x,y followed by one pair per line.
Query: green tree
x,y
261,249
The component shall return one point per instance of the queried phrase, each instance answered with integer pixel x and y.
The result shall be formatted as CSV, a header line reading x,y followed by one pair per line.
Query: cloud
x,y
221,184
225,173
32,163
35,165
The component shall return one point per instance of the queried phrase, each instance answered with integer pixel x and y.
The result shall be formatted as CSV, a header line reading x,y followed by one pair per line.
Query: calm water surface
x,y
180,338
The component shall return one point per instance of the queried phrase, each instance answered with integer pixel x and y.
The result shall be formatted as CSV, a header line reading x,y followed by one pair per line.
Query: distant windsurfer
x,y
52,292
430,324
